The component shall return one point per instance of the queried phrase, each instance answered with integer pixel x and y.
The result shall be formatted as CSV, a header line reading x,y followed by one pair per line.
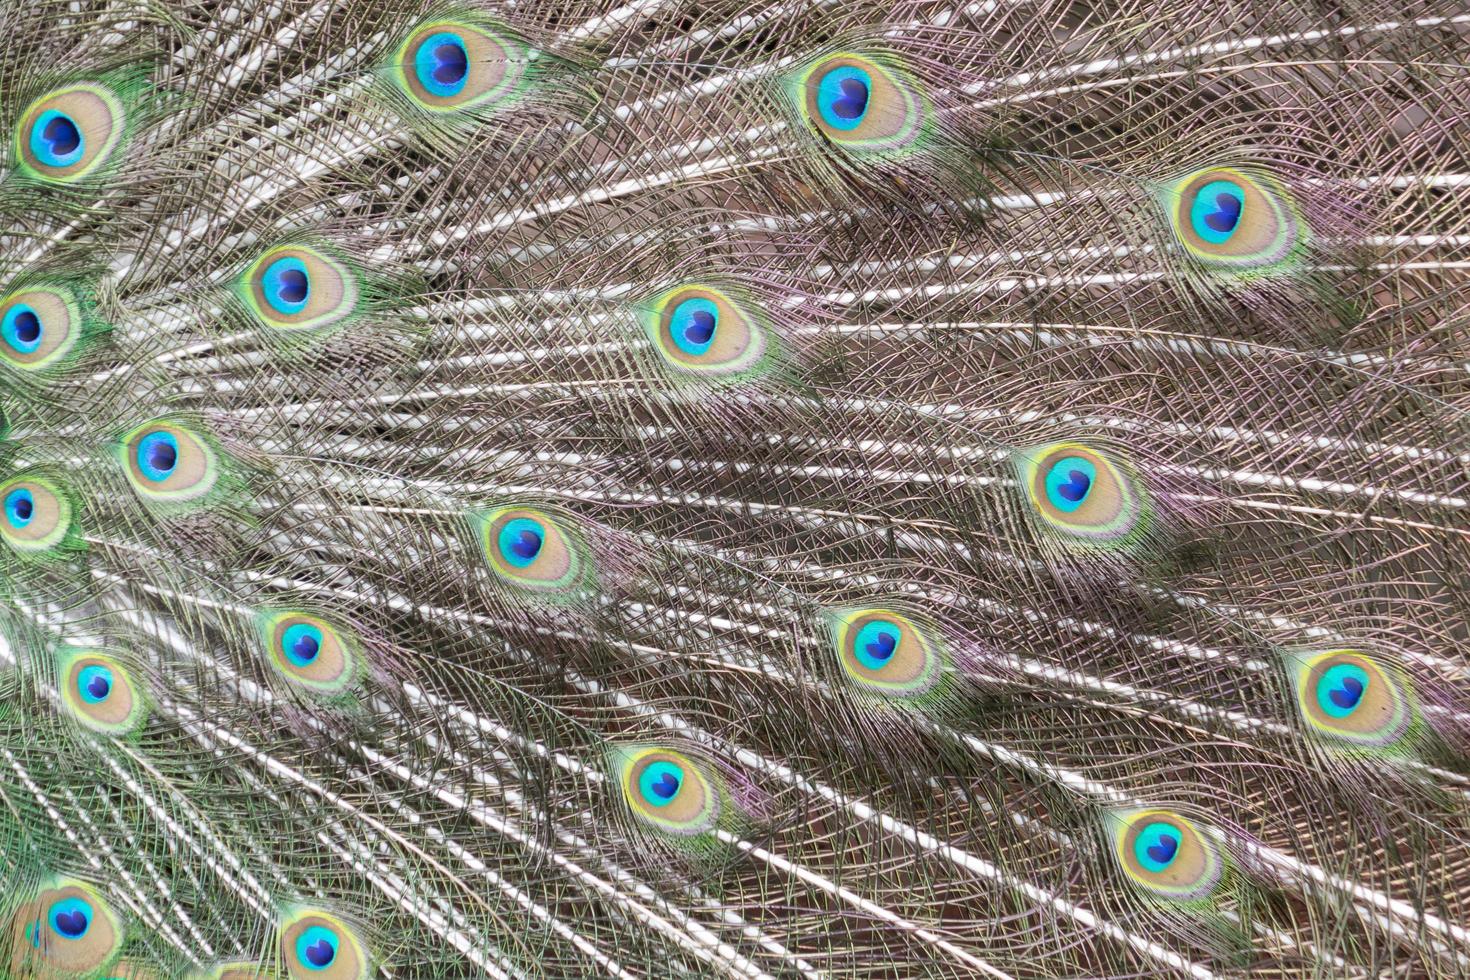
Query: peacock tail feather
x,y
718,489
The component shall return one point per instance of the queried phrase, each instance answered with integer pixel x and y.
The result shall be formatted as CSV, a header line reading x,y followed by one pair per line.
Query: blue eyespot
x,y
158,454
660,782
692,325
1341,689
1216,211
71,918
94,683
520,541
21,329
301,643
1069,482
316,947
1156,846
286,285
442,64
20,507
56,139
876,643
842,97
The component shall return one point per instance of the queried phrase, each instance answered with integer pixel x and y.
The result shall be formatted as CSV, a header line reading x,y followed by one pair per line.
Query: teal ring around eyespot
x,y
272,282
681,318
1205,203
510,535
70,906
292,635
41,150
870,633
20,506
84,681
311,937
12,326
1331,680
829,91
424,64
1060,474
145,450
654,774
1152,836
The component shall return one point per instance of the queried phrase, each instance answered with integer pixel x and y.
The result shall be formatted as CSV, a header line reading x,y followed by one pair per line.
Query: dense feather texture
x,y
707,489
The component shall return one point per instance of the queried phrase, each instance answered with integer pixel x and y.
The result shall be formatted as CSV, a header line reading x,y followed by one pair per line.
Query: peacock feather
x,y
788,488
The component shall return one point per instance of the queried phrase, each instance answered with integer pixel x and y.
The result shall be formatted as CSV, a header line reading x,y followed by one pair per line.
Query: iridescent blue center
x,y
520,541
1216,212
692,325
20,507
158,454
56,139
660,782
301,642
94,683
442,64
1341,688
286,285
70,918
1157,845
842,97
316,947
21,329
1068,483
876,643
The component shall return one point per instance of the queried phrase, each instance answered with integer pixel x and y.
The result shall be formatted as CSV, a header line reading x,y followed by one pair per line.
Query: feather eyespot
x,y
37,514
1236,220
67,930
101,693
1069,483
668,791
861,103
316,949
310,652
168,463
299,288
19,507
1349,696
692,325
22,329
1165,854
702,331
69,132
38,327
449,66
315,944
441,64
1081,493
887,653
56,139
531,549
158,455
70,918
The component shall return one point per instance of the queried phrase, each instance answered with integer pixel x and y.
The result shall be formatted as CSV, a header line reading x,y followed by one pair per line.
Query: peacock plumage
x,y
792,488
